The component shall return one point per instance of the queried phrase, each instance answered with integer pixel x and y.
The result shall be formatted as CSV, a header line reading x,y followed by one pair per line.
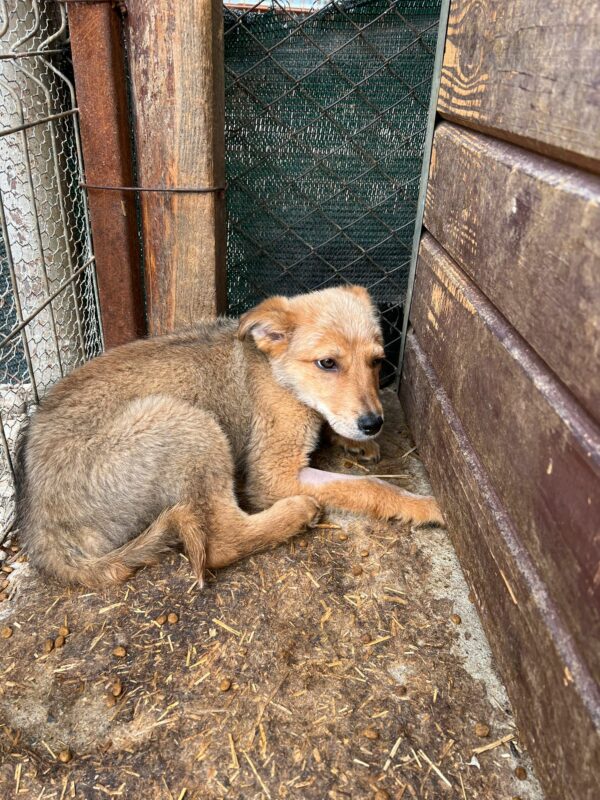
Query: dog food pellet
x,y
119,651
110,700
381,794
521,773
7,569
456,619
59,641
65,756
48,646
483,730
357,570
172,618
63,631
4,584
364,553
342,537
117,687
161,620
302,543
371,733
225,685
3,596
6,632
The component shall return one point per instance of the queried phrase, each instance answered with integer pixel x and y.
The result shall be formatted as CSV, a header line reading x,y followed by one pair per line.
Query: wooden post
x,y
176,52
98,62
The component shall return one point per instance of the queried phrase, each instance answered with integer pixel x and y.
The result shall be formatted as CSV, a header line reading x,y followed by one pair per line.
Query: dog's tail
x,y
178,524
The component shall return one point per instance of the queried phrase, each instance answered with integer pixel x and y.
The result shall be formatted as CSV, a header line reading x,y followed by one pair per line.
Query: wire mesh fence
x,y
326,111
49,314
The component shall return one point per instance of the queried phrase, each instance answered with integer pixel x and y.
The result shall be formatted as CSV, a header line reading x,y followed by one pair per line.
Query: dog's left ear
x,y
270,325
360,292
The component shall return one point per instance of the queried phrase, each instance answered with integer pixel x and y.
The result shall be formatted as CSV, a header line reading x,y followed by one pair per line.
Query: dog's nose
x,y
370,424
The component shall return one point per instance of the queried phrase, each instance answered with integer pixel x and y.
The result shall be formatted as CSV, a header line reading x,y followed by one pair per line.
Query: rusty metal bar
x,y
98,61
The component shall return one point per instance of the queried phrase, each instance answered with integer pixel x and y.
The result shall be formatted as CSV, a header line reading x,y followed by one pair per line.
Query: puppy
x,y
151,444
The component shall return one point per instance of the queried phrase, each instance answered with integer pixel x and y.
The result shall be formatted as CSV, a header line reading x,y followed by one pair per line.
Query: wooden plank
x,y
176,64
527,231
529,71
541,451
104,123
556,702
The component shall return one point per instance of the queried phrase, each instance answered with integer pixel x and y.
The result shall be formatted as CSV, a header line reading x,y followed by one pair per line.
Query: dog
x,y
150,445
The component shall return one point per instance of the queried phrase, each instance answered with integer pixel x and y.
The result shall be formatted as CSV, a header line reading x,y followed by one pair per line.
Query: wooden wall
x,y
501,377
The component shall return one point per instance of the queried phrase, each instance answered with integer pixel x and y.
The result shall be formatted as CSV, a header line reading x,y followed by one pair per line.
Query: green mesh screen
x,y
326,114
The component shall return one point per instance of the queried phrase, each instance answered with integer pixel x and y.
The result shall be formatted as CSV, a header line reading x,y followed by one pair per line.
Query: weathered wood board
x,y
98,63
529,71
527,231
176,59
556,702
541,452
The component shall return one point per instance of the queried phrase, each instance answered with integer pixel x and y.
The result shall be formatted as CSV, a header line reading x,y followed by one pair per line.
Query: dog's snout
x,y
370,424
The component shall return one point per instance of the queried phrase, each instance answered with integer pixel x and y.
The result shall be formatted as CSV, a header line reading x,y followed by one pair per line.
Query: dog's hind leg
x,y
175,525
159,474
140,488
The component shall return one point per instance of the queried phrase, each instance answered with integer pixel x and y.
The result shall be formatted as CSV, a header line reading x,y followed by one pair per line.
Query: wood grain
x,y
541,451
556,702
176,59
528,70
527,231
98,63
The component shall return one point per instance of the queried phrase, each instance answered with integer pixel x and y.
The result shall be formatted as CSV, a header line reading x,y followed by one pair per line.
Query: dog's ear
x,y
361,292
270,325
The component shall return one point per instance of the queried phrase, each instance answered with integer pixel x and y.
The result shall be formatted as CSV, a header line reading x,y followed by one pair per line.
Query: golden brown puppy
x,y
139,450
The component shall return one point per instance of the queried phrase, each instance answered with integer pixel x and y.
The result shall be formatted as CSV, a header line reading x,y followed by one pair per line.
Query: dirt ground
x,y
349,663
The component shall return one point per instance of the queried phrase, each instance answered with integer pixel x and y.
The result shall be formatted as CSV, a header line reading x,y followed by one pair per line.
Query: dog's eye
x,y
326,363
377,361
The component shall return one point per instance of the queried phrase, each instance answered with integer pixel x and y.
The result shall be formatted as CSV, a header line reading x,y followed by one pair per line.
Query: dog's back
x,y
93,462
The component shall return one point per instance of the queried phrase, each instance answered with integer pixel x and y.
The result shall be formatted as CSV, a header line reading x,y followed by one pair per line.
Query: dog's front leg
x,y
351,493
368,496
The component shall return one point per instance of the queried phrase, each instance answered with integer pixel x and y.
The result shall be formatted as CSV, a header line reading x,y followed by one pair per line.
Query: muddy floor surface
x,y
349,663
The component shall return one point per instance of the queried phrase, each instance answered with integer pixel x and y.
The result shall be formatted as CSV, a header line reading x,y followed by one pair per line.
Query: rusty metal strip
x,y
99,65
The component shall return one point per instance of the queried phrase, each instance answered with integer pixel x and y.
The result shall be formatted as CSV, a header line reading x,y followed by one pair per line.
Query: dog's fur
x,y
144,447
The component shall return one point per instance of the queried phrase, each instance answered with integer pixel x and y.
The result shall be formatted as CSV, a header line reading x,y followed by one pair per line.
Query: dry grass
x,y
290,675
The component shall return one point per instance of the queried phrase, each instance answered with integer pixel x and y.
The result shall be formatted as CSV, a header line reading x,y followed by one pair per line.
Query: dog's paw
x,y
367,451
308,510
415,508
428,512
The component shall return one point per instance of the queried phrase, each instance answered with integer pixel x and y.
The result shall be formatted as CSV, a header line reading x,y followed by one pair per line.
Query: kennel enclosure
x,y
298,133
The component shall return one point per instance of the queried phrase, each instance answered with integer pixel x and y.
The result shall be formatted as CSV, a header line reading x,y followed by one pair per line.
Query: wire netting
x,y
49,317
326,115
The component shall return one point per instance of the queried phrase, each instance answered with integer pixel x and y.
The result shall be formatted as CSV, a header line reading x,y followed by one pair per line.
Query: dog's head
x,y
326,347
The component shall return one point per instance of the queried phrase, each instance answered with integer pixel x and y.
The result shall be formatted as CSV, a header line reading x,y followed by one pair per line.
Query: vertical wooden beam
x,y
176,64
98,62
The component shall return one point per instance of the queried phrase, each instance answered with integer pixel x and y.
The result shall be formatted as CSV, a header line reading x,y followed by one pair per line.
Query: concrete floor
x,y
349,663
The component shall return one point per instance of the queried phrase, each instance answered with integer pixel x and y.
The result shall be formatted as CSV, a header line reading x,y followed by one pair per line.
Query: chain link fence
x,y
49,313
326,108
